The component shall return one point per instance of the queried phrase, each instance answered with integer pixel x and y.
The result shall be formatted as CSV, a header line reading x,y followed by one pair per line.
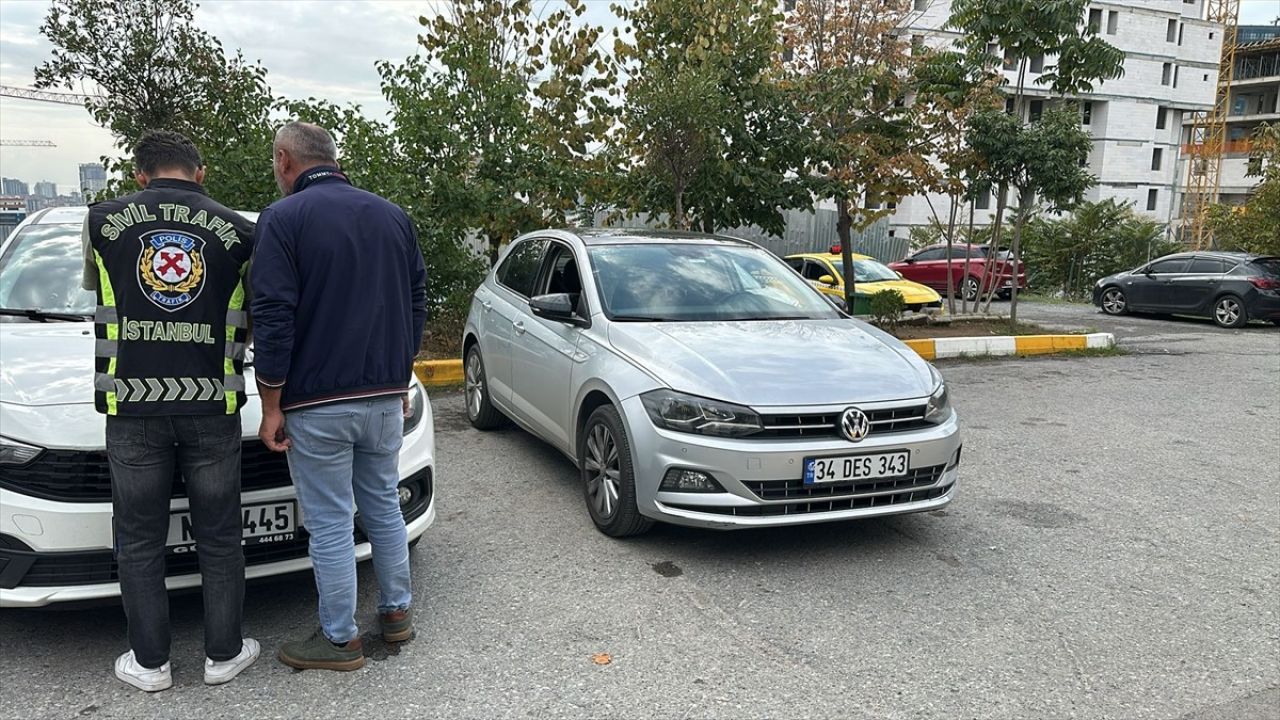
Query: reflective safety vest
x,y
171,322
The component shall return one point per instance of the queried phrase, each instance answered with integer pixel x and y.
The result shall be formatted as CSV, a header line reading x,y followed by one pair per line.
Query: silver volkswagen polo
x,y
697,380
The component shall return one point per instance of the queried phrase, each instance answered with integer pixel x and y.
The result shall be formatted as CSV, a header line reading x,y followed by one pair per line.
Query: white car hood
x,y
43,364
776,363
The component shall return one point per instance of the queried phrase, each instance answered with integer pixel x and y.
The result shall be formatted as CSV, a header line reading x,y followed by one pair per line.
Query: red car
x,y
929,267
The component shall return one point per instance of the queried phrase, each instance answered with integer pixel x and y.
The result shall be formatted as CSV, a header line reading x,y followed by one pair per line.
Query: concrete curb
x,y
942,348
436,373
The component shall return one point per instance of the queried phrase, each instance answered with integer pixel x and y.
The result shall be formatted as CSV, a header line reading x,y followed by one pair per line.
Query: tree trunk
x,y
951,277
1024,209
679,220
964,301
989,265
844,223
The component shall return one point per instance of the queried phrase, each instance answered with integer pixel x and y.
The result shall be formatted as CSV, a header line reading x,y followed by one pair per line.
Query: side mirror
x,y
827,280
901,276
557,307
909,260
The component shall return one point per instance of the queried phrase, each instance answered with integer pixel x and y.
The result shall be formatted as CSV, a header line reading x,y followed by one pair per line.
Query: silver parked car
x,y
697,380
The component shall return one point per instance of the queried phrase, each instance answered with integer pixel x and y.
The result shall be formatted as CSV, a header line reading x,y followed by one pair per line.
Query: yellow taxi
x,y
870,276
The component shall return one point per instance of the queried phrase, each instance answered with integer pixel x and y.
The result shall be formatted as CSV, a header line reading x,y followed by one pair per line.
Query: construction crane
x,y
43,95
1209,135
27,143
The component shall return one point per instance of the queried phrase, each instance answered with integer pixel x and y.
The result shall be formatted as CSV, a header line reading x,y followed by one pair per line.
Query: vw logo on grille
x,y
854,425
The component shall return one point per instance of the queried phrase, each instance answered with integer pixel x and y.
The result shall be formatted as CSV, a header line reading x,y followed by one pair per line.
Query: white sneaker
x,y
148,679
217,673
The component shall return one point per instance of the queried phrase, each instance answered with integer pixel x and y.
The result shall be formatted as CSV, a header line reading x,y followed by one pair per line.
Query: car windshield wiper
x,y
44,316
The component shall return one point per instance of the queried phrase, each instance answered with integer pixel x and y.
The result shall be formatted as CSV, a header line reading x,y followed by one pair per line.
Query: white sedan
x,y
55,488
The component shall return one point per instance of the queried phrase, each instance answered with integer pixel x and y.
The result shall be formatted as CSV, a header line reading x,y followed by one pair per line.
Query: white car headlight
x,y
689,413
939,401
13,452
417,408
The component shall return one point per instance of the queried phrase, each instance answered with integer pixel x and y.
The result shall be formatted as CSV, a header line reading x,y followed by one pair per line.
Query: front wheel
x,y
1114,302
1229,312
480,411
608,476
971,288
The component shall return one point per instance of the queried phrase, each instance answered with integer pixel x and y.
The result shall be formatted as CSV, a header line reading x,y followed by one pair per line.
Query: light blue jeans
x,y
345,457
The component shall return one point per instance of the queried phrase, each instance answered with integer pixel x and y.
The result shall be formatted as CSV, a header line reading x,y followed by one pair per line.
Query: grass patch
x,y
973,328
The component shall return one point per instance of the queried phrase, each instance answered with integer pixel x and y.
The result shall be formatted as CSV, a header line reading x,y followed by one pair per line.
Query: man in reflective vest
x,y
168,264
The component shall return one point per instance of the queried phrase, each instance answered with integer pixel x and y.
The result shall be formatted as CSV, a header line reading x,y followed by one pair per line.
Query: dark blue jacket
x,y
339,293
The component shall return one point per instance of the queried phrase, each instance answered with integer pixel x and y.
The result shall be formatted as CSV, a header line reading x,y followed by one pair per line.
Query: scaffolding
x,y
1209,135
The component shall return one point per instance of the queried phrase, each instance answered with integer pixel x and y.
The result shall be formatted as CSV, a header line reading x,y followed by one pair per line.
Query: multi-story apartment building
x,y
1170,72
14,187
46,189
93,178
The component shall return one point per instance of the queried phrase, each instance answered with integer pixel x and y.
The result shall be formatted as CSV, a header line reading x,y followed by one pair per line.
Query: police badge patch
x,y
171,268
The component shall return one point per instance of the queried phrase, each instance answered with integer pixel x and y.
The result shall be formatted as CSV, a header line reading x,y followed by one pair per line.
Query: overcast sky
x,y
322,48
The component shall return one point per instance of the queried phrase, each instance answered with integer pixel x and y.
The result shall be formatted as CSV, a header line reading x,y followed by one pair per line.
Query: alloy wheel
x,y
474,385
604,471
1227,311
971,289
1113,302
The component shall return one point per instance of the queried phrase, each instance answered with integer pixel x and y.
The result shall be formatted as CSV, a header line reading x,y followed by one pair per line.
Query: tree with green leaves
x,y
1076,61
145,65
949,92
1254,226
849,68
501,113
708,138
1071,253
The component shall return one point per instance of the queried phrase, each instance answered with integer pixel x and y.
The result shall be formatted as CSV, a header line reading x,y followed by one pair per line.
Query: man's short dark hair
x,y
166,150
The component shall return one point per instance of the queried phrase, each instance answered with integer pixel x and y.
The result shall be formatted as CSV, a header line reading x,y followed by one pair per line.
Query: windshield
x,y
700,282
42,269
869,271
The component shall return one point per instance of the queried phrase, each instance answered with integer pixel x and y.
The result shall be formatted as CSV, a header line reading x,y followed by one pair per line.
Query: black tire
x,y
1005,294
1229,312
611,501
1114,301
970,288
480,411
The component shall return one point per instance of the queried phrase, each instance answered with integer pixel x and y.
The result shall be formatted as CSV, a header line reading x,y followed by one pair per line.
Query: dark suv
x,y
1231,288
929,267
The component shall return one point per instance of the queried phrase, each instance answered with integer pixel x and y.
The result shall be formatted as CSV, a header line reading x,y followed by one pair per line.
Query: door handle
x,y
486,305
519,326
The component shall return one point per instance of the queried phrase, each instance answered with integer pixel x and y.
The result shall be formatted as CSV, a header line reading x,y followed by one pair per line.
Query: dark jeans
x,y
143,453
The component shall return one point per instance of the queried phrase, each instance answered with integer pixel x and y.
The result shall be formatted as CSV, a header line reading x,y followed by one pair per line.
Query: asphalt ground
x,y
1113,552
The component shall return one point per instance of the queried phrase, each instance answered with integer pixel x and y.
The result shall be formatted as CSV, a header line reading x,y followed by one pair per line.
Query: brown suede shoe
x,y
397,625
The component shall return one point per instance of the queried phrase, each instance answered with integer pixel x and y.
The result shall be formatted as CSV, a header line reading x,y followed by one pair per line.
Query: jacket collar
x,y
176,184
320,173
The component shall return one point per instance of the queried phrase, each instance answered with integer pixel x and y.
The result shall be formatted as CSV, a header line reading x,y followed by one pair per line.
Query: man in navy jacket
x,y
339,306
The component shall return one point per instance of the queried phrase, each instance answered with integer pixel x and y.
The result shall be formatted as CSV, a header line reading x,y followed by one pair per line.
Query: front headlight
x,y
13,452
689,413
417,409
939,401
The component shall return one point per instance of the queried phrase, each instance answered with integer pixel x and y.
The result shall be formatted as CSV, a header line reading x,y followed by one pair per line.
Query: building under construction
x,y
1254,100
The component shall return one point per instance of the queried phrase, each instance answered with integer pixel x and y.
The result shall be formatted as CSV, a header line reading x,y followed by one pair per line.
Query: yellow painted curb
x,y
434,373
924,348
1047,344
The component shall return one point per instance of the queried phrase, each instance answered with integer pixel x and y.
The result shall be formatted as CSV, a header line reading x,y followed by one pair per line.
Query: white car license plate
x,y
266,522
855,467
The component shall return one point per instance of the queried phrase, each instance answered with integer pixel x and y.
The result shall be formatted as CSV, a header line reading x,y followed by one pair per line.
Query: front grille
x,y
797,489
821,506
76,476
888,420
